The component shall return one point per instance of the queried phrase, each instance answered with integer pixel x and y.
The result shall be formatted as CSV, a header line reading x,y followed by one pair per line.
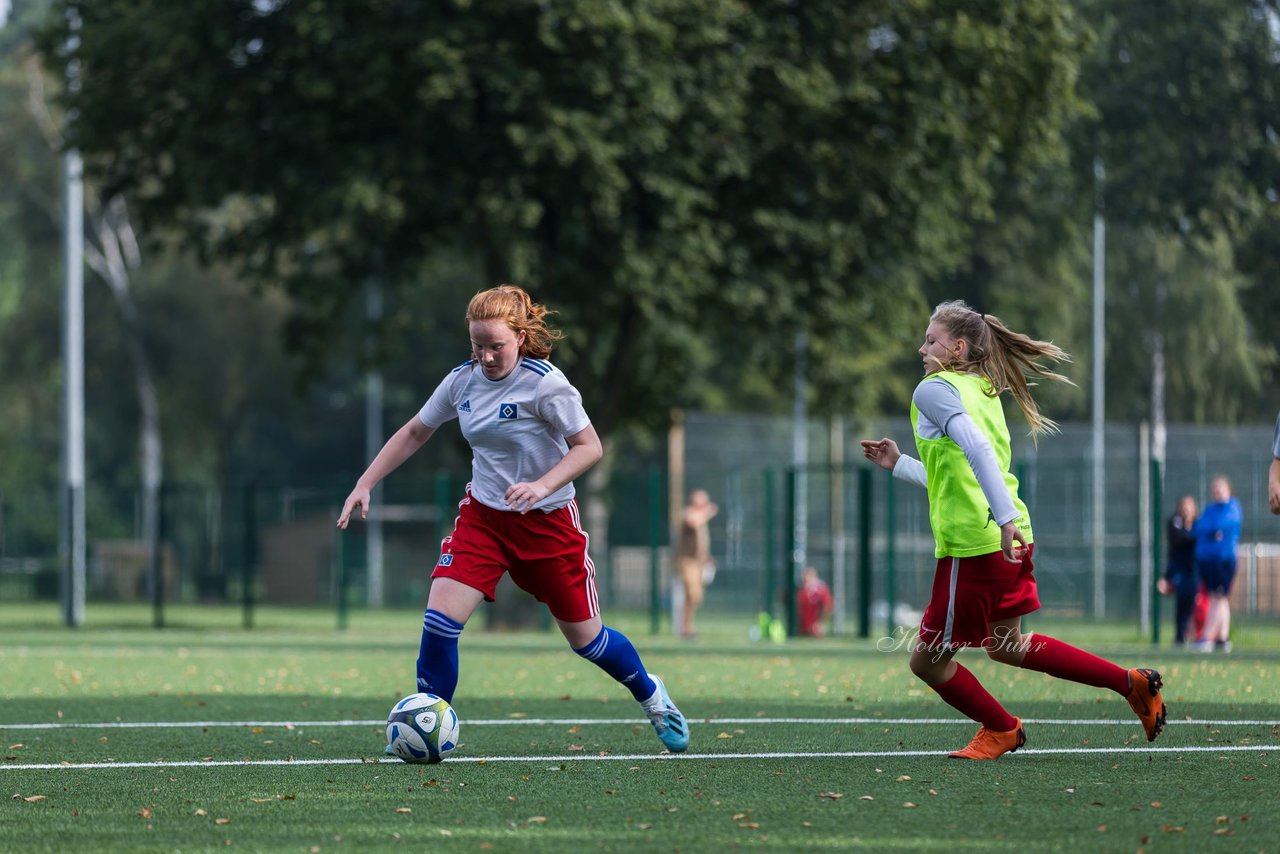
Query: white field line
x,y
646,757
298,724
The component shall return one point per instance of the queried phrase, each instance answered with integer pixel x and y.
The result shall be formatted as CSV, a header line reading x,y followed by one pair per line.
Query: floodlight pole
x,y
73,505
72,539
1099,397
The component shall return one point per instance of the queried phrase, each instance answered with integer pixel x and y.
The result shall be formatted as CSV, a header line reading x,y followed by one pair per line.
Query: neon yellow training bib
x,y
962,522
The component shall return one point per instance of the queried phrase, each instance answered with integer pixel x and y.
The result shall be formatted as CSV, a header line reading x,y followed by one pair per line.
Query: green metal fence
x,y
866,534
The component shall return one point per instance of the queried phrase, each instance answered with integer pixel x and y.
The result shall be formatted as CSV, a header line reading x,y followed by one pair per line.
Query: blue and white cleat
x,y
667,720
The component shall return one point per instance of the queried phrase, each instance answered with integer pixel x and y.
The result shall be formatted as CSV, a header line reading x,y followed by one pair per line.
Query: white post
x,y
1145,567
373,438
800,459
1253,553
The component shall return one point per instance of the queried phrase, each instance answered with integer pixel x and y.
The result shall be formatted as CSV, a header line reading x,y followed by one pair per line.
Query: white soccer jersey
x,y
516,425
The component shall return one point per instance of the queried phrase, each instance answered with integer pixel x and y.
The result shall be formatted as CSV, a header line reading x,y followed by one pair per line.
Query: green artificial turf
x,y
554,756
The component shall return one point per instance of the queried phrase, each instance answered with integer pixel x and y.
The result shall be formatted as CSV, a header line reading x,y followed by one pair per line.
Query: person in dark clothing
x,y
1180,579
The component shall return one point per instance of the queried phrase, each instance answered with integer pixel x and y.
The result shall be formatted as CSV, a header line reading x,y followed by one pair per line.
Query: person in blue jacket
x,y
1217,535
1180,579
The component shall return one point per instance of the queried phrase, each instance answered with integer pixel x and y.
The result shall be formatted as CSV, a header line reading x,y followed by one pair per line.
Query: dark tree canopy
x,y
679,179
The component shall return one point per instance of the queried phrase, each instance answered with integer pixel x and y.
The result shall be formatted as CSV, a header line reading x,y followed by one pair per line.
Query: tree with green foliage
x,y
1183,99
170,349
687,182
1186,96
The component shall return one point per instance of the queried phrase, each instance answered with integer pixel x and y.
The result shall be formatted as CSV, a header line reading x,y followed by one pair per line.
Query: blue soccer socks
x,y
438,655
613,653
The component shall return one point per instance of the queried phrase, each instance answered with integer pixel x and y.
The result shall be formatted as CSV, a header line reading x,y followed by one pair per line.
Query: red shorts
x,y
969,593
546,554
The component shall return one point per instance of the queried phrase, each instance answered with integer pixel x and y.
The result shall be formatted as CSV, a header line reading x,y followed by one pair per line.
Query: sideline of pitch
x,y
605,721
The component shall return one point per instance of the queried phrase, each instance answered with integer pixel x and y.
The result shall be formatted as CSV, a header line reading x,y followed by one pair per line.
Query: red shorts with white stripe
x,y
546,554
970,593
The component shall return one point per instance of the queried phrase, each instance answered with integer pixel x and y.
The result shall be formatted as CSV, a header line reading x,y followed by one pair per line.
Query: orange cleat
x,y
989,744
1144,698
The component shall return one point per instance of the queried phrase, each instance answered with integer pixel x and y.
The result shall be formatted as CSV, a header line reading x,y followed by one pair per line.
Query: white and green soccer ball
x,y
422,728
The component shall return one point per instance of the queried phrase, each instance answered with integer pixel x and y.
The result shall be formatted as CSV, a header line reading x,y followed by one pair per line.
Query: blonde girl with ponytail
x,y
984,581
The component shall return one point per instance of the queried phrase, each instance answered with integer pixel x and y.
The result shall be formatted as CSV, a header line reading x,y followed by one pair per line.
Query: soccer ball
x,y
422,728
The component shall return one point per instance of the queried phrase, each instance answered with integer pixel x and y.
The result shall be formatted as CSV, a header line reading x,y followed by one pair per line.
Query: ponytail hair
x,y
514,307
1004,357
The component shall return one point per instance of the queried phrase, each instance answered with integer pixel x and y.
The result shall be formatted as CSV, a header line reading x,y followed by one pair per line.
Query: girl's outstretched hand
x,y
882,452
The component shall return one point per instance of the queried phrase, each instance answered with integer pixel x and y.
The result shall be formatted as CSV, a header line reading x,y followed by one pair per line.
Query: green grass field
x,y
203,735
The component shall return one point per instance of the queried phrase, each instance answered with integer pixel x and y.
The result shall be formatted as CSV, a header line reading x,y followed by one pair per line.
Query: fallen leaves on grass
x,y
31,799
404,809
833,796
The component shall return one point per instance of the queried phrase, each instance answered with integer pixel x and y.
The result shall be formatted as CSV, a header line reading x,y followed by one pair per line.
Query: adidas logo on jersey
x,y
465,406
